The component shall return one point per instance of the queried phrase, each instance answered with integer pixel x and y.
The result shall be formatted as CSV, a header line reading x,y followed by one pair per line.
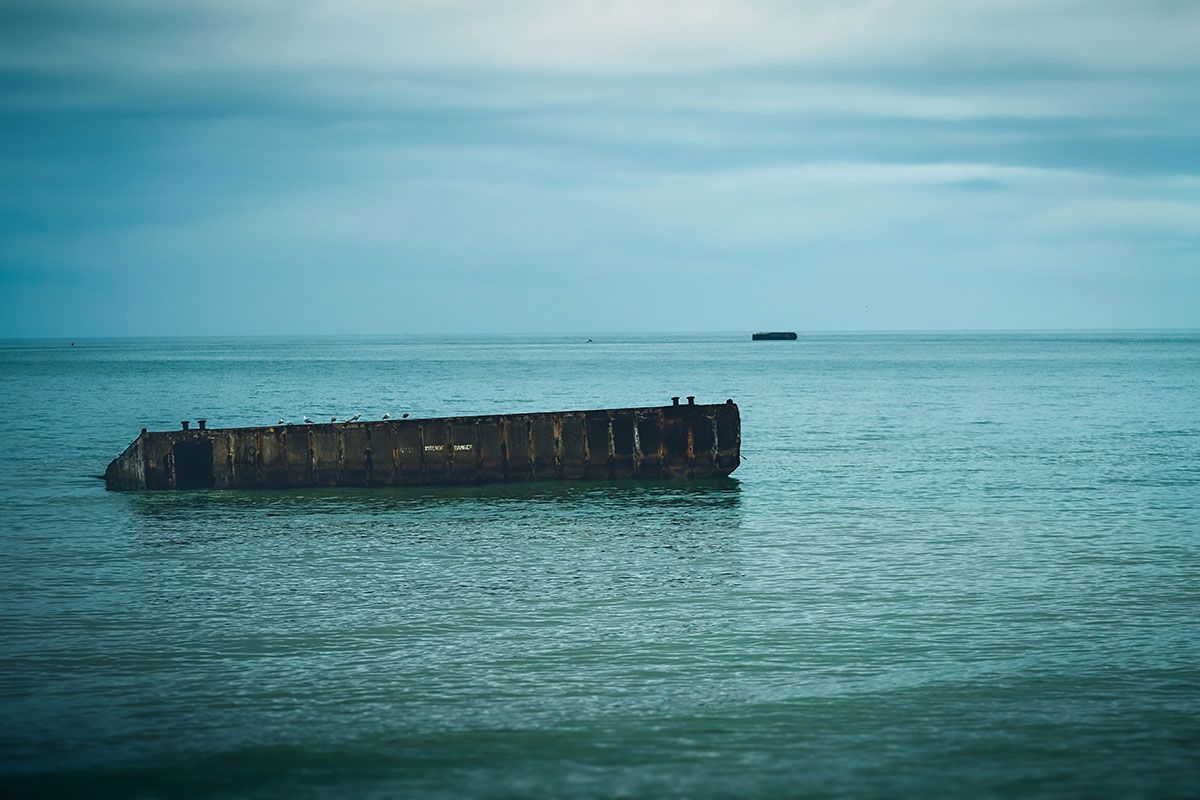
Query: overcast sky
x,y
358,166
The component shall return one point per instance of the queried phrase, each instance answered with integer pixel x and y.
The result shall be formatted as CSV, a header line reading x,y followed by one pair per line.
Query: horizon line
x,y
547,334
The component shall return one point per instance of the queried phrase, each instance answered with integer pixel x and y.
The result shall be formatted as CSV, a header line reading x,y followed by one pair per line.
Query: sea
x,y
950,565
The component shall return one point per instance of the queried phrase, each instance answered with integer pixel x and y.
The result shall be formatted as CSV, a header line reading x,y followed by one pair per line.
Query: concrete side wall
x,y
672,441
127,471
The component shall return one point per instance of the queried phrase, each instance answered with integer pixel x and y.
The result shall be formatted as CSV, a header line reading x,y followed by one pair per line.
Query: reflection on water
x,y
661,513
460,511
615,495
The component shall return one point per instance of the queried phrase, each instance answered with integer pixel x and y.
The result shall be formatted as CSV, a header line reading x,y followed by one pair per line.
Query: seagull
x,y
404,415
354,418
386,417
308,421
333,419
281,422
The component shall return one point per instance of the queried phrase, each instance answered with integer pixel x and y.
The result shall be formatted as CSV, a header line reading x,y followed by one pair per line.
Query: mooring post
x,y
185,424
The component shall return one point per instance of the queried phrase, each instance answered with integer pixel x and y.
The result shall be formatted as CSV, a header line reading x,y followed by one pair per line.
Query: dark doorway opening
x,y
193,465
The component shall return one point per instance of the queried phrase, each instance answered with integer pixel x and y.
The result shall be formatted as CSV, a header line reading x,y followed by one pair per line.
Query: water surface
x,y
950,564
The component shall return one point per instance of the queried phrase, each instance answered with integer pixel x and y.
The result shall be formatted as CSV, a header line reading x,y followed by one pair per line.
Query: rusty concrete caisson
x,y
675,441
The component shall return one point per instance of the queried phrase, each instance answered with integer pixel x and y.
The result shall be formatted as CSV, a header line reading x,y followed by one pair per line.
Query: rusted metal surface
x,y
675,441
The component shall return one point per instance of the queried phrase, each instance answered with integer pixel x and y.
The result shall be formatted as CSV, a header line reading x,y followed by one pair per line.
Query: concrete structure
x,y
676,441
774,336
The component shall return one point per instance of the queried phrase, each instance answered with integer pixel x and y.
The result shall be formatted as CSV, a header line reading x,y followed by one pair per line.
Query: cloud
x,y
1124,216
608,36
586,62
916,150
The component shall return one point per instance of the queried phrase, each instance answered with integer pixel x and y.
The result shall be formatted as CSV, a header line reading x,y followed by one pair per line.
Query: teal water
x,y
951,565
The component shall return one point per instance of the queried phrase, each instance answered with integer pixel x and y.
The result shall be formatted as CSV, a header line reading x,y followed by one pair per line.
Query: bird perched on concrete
x,y
281,422
354,418
308,421
333,419
386,417
404,415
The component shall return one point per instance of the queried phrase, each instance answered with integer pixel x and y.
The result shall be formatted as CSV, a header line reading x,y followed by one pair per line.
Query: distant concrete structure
x,y
675,441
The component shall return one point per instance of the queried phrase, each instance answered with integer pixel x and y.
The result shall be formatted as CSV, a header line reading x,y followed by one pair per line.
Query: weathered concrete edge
x,y
127,472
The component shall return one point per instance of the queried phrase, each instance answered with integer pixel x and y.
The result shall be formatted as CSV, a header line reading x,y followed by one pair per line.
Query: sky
x,y
458,166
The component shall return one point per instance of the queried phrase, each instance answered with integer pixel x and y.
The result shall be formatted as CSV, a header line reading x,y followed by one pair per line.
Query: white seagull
x,y
308,421
281,422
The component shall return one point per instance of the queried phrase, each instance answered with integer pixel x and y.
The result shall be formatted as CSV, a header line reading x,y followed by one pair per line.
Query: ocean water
x,y
950,565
